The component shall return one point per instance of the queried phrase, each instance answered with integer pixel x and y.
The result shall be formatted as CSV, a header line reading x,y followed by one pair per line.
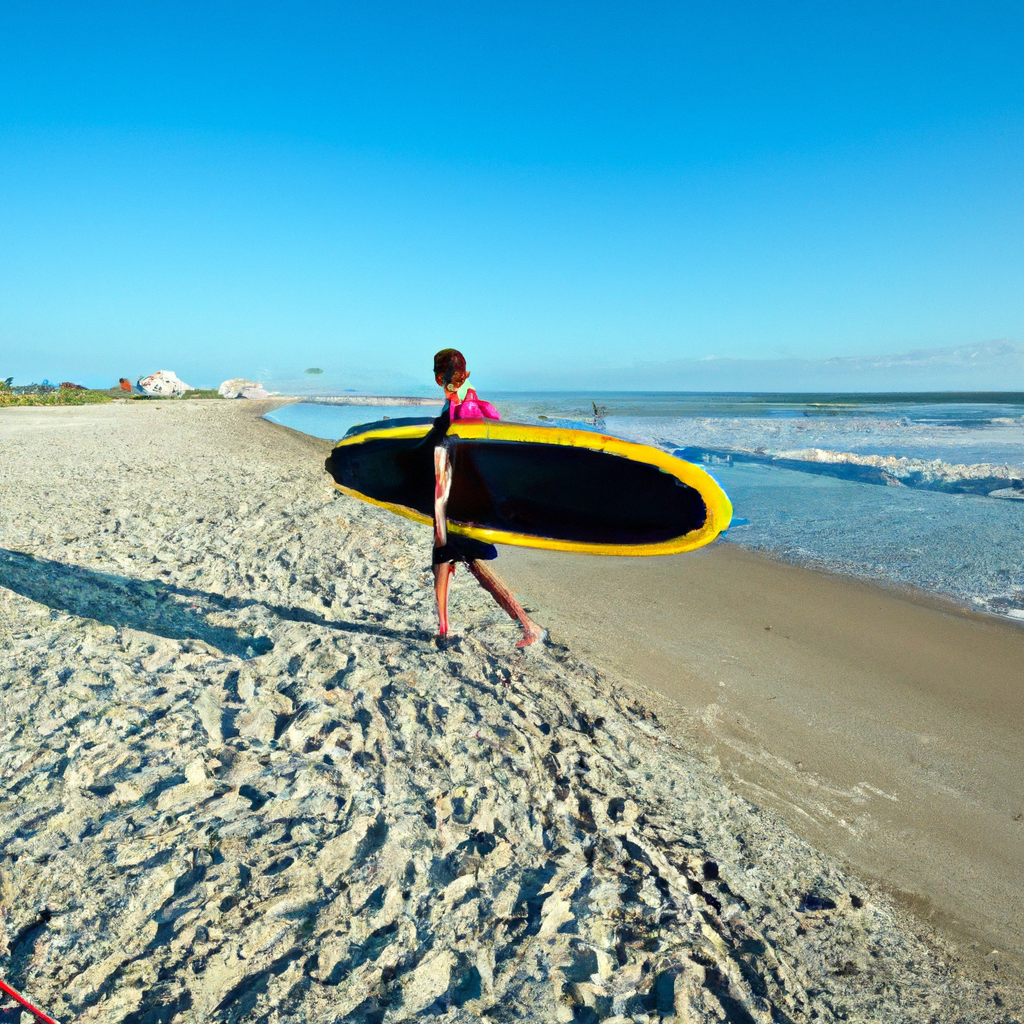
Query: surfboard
x,y
534,486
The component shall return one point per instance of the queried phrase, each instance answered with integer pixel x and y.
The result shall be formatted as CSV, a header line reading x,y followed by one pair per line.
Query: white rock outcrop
x,y
239,387
164,383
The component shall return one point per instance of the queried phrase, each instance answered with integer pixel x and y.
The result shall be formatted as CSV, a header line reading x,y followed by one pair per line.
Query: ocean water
x,y
918,490
333,421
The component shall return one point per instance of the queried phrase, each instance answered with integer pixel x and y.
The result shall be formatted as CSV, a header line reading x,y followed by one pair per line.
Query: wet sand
x,y
240,782
883,726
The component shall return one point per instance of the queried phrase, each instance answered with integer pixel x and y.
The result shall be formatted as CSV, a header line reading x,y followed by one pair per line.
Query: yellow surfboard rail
x,y
716,501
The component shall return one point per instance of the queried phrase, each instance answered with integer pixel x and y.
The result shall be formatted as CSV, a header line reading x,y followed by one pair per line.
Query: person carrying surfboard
x,y
463,403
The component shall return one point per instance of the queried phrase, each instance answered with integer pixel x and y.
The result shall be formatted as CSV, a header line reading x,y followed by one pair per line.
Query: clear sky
x,y
254,188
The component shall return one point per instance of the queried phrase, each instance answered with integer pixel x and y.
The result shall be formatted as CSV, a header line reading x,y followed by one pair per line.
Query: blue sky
x,y
560,190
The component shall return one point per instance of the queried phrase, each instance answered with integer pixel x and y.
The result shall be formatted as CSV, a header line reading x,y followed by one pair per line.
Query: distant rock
x,y
239,387
163,383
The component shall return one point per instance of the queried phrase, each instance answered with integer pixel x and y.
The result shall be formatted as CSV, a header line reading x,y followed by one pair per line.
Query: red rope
x,y
24,1002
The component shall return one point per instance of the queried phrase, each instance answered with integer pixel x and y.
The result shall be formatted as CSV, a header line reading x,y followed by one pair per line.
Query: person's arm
x,y
488,410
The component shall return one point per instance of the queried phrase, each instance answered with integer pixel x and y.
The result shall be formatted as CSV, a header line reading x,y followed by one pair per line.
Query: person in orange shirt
x,y
463,403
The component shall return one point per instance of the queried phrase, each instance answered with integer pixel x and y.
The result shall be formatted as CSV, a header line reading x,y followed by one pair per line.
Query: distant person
x,y
463,403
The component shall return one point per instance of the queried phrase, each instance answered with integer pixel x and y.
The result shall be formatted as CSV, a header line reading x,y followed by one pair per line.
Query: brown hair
x,y
447,363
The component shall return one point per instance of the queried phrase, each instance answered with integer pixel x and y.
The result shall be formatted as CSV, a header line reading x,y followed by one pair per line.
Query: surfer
x,y
463,403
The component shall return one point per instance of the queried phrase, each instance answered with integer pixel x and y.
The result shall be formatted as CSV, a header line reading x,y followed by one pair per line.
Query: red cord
x,y
24,1002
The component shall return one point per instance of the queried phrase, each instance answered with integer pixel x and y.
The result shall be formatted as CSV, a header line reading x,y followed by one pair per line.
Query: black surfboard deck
x,y
541,487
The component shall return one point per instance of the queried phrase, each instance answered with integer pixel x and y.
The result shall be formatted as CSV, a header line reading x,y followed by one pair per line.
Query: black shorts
x,y
463,549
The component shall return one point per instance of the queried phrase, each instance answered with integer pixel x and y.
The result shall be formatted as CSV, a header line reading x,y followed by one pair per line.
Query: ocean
x,y
919,490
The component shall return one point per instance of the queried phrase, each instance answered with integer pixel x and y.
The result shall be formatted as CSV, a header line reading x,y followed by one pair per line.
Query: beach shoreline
x,y
238,775
880,722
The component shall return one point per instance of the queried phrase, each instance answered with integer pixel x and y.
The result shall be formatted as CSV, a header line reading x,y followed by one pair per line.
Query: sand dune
x,y
238,781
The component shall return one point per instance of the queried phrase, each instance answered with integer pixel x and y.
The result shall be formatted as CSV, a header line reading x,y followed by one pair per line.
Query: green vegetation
x,y
49,396
74,394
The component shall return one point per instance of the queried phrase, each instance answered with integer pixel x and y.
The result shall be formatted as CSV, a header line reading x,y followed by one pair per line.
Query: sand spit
x,y
238,782
368,400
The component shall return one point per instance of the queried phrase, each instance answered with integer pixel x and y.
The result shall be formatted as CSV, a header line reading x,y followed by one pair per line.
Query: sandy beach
x,y
885,726
239,782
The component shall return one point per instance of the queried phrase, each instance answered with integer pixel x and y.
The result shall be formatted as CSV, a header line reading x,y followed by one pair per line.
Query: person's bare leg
x,y
442,488
442,577
494,586
442,572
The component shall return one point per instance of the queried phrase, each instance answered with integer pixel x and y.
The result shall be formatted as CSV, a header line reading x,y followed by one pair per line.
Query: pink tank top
x,y
473,407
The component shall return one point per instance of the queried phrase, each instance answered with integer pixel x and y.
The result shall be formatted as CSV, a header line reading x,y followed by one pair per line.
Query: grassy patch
x,y
203,393
62,396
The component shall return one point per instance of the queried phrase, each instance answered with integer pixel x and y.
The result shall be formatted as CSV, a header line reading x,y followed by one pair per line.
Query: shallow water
x,y
333,421
963,545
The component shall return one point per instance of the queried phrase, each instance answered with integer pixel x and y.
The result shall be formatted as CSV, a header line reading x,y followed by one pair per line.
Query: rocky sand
x,y
238,781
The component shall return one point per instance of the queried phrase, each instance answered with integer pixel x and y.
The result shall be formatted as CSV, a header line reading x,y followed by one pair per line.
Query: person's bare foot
x,y
494,586
532,633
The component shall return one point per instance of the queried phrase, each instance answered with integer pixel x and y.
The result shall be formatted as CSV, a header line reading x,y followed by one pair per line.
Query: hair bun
x,y
447,363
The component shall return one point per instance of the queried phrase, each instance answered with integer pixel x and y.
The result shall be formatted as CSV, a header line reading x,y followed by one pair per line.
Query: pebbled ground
x,y
238,781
